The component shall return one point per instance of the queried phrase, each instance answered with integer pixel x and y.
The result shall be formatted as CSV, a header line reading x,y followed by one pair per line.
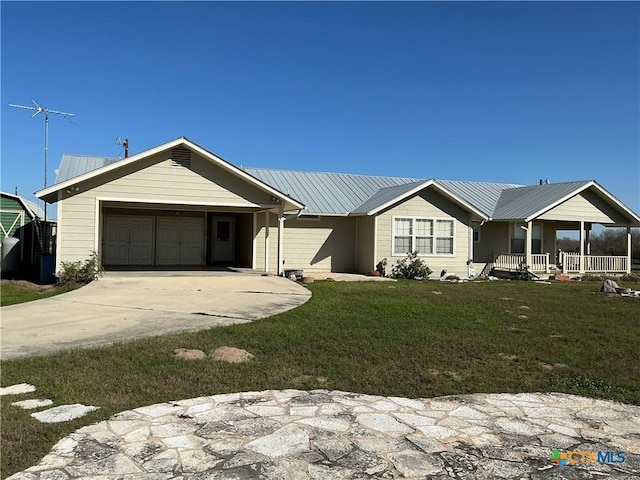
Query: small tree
x,y
411,268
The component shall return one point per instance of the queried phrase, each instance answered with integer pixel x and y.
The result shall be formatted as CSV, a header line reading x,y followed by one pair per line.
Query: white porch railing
x,y
593,263
512,262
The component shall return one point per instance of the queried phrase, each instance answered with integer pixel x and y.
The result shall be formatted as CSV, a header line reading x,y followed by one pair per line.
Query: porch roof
x,y
528,203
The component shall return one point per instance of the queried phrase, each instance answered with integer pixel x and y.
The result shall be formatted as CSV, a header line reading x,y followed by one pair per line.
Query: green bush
x,y
410,268
80,271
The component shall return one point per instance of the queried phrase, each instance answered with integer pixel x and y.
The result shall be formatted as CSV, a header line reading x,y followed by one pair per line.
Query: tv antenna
x,y
39,109
125,144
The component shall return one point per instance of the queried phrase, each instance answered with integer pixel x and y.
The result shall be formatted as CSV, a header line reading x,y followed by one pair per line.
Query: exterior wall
x,y
586,206
324,245
156,179
494,239
12,216
259,241
153,180
365,244
428,204
76,229
244,227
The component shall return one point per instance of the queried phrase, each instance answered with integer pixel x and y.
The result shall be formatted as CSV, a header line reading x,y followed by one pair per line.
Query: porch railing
x,y
512,262
593,263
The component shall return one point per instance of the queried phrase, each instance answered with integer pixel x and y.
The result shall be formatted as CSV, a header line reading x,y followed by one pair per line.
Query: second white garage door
x,y
179,241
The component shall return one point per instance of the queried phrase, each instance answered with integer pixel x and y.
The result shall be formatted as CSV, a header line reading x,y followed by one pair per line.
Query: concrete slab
x,y
122,306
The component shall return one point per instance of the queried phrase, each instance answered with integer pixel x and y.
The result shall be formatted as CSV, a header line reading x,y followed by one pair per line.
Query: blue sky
x,y
487,91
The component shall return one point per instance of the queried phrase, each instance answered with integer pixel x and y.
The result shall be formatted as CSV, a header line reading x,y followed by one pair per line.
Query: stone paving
x,y
326,435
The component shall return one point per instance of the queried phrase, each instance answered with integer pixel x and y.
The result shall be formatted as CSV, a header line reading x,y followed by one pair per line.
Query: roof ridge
x,y
91,156
362,175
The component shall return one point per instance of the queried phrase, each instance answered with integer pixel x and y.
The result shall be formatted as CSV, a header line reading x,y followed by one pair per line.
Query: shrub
x,y
80,271
411,268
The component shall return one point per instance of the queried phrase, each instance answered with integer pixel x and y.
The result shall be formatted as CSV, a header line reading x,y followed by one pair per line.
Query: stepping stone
x,y
63,413
30,404
17,389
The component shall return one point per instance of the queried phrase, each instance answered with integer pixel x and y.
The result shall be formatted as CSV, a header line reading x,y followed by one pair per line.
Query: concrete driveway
x,y
124,305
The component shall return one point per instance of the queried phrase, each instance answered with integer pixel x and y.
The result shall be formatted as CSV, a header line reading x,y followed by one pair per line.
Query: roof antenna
x,y
39,109
124,143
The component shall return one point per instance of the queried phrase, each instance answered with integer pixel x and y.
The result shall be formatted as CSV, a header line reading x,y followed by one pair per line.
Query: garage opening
x,y
160,239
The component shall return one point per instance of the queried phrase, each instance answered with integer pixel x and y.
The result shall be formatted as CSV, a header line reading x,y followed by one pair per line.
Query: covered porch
x,y
553,260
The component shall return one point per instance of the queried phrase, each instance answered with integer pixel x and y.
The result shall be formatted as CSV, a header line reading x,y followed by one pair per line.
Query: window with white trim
x,y
444,237
427,236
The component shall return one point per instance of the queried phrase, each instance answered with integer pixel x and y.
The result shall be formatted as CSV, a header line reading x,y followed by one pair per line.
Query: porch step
x,y
486,271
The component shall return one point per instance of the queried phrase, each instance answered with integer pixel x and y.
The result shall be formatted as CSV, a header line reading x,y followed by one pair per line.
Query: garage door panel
x,y
141,238
116,245
180,241
148,240
128,240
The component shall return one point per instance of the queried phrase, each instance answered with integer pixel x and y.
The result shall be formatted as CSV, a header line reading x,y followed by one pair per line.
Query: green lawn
x,y
382,338
12,291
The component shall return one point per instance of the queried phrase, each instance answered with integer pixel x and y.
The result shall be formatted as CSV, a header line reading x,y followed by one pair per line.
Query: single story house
x,y
180,205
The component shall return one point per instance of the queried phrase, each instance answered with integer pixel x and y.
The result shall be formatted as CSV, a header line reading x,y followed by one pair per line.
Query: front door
x,y
223,239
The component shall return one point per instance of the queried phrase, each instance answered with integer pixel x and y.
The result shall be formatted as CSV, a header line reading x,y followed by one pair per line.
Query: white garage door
x,y
180,241
128,240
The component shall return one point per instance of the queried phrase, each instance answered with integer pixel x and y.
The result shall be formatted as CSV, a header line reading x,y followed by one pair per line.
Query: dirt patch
x,y
231,355
189,354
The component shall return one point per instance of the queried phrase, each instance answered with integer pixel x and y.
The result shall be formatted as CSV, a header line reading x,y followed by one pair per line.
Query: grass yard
x,y
20,291
407,338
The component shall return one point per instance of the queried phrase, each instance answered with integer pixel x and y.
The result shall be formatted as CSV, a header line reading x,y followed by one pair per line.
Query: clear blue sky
x,y
486,91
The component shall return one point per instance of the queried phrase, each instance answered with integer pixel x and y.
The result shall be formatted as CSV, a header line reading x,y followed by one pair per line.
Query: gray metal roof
x,y
72,166
386,195
326,193
482,195
520,203
32,208
342,193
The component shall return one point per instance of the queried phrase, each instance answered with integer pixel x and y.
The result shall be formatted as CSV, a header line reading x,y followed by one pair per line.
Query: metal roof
x,y
520,203
342,194
32,208
386,195
482,195
72,166
327,193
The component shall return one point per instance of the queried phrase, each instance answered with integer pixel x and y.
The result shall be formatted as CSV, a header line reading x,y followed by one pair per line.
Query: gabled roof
x,y
108,166
321,193
523,202
32,209
388,195
528,203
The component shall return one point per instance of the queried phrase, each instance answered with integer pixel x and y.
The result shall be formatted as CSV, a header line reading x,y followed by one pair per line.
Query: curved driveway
x,y
123,306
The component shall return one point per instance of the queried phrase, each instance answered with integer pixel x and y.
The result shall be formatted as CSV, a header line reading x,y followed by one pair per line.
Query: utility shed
x,y
15,212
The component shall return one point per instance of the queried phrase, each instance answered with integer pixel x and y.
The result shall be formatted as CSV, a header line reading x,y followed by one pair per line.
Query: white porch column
x,y
266,241
527,248
587,240
581,268
280,240
628,250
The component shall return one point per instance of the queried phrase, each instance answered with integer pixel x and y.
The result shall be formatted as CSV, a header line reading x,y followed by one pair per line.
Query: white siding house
x,y
179,205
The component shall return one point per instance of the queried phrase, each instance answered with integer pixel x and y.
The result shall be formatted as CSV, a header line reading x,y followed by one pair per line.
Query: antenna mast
x,y
39,109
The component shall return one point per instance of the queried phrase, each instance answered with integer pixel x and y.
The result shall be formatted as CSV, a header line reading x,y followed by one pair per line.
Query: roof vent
x,y
181,157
